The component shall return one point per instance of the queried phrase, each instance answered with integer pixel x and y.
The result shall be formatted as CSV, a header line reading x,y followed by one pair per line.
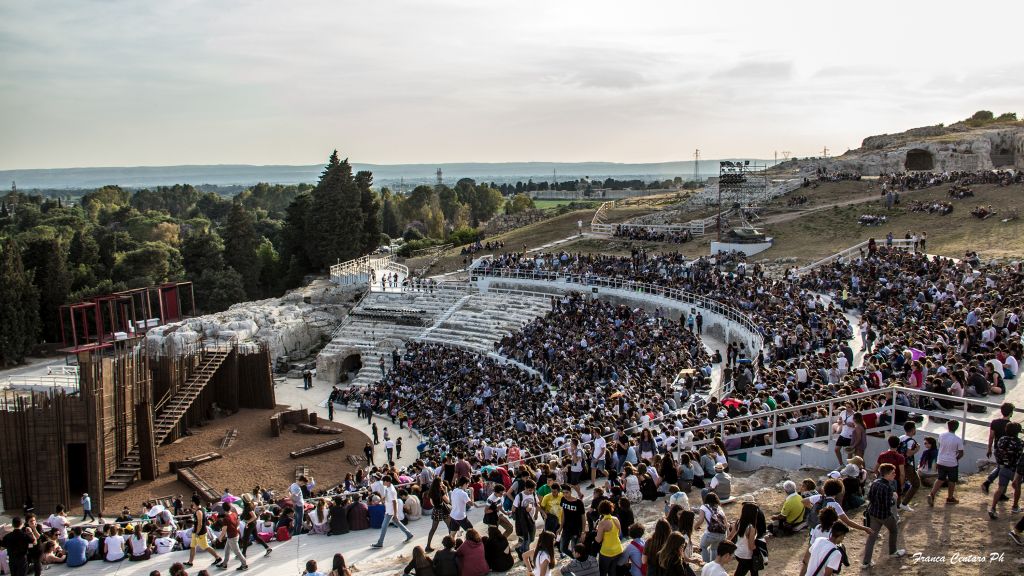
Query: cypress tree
x,y
240,243
370,207
19,306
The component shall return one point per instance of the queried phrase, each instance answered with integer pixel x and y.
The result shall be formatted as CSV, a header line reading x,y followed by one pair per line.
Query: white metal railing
x,y
40,383
819,429
597,223
855,250
62,370
358,270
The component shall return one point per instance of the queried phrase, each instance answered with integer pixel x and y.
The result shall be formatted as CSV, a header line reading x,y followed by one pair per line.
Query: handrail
x,y
897,243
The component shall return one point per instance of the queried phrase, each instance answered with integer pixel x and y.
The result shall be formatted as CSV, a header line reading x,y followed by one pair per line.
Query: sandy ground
x,y
256,457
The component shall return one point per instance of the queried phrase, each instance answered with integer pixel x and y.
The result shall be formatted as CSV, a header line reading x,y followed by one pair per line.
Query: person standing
x,y
376,438
389,449
87,507
573,522
200,535
17,543
461,500
251,519
608,531
824,557
298,500
996,429
230,535
330,409
700,323
368,451
1008,454
881,502
908,447
951,450
393,512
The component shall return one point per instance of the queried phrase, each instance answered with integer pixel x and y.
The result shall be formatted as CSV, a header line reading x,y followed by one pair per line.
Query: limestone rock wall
x,y
290,325
950,149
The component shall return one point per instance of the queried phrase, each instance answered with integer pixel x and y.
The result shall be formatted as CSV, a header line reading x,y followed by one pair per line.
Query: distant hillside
x,y
384,174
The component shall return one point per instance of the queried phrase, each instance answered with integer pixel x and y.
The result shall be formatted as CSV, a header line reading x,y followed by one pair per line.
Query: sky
x,y
140,82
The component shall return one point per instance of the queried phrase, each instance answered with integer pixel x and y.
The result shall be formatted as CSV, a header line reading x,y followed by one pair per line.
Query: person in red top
x,y
230,534
892,456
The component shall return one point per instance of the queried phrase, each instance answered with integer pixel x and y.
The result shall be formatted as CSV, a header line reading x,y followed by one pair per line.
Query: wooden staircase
x,y
171,413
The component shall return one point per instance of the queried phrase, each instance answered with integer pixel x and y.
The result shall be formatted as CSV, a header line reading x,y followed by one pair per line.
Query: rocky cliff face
x,y
934,148
290,325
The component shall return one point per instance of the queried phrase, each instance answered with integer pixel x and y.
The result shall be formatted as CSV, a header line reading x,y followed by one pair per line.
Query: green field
x,y
544,204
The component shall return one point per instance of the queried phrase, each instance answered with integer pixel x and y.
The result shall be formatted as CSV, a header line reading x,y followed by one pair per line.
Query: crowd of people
x,y
589,395
872,220
653,235
935,207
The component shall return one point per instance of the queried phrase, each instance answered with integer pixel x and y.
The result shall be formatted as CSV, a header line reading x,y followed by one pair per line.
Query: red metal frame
x,y
94,322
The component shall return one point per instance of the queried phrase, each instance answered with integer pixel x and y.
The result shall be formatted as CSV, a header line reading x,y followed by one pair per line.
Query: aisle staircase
x,y
171,412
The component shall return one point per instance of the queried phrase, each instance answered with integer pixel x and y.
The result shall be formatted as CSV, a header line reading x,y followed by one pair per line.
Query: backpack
x,y
716,522
643,567
1007,451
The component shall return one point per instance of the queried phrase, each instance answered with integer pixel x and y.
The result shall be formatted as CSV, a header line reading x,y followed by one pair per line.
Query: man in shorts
x,y
1008,451
951,450
200,536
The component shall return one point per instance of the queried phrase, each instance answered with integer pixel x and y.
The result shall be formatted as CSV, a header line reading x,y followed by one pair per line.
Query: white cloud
x,y
264,82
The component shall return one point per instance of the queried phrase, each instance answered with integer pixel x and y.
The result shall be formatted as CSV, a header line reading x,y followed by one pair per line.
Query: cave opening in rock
x,y
350,366
1003,157
918,159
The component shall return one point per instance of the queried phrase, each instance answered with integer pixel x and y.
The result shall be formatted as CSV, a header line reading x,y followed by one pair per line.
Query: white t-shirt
x,y
296,492
949,444
848,426
138,545
819,550
459,498
115,548
389,497
599,447
60,523
164,545
541,557
713,569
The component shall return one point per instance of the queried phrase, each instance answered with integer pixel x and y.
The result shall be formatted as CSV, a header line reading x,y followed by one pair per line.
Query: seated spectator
x,y
113,544
497,550
338,517
471,558
445,563
75,548
138,545
358,514
582,564
51,554
318,518
791,518
420,565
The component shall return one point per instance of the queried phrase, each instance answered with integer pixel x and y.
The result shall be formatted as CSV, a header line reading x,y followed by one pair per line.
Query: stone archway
x,y
349,366
918,159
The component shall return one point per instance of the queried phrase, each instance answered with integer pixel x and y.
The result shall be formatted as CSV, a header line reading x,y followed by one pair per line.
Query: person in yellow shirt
x,y
551,508
791,517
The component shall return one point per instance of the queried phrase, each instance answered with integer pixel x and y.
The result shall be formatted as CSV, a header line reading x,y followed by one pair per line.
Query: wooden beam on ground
x,y
229,438
320,448
201,487
193,461
310,429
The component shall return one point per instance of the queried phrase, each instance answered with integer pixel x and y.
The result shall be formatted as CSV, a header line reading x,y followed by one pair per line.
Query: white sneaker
x,y
899,553
906,508
866,566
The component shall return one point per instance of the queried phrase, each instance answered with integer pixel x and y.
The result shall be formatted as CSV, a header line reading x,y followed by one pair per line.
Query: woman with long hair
x,y
744,532
470,556
662,529
441,508
340,568
685,527
670,557
497,550
420,565
541,559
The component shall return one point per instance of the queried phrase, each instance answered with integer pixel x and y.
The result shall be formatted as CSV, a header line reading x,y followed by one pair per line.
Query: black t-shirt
x,y
979,383
17,544
572,516
998,427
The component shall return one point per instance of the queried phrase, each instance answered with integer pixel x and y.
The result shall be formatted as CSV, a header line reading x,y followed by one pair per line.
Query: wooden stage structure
x,y
104,434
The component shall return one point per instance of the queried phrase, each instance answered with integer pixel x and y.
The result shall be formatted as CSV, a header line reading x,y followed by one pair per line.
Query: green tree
x,y
150,263
293,236
982,115
391,218
52,279
269,267
334,226
202,251
520,203
240,242
216,290
19,306
369,205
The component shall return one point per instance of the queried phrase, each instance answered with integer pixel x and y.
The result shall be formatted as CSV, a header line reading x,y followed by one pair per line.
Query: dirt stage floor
x,y
256,457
